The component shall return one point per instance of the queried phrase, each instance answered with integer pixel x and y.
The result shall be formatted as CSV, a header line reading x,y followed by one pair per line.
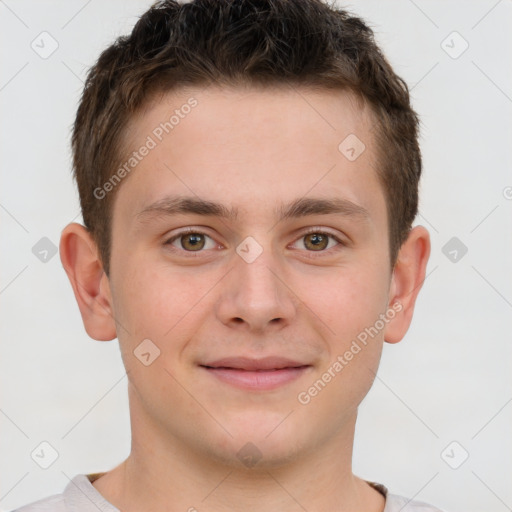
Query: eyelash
x,y
310,231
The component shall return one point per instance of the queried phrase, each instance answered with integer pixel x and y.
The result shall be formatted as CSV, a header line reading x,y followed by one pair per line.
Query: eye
x,y
191,241
319,241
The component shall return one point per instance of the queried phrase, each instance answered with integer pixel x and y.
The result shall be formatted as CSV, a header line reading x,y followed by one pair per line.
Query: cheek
x,y
162,304
348,302
153,304
354,340
156,311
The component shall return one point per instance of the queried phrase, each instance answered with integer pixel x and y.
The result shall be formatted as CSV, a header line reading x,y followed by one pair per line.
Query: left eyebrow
x,y
172,205
318,206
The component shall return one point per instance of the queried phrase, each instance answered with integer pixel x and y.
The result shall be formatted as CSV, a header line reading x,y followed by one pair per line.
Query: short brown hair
x,y
242,42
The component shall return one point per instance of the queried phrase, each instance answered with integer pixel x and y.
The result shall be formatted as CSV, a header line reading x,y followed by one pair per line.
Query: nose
x,y
255,296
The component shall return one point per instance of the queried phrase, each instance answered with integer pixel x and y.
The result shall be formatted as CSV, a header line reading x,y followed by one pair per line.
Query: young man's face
x,y
256,285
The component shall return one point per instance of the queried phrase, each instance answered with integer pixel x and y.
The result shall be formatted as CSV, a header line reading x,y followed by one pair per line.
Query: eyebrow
x,y
302,207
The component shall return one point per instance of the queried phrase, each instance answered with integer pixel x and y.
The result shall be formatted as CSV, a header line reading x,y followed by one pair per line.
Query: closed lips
x,y
265,364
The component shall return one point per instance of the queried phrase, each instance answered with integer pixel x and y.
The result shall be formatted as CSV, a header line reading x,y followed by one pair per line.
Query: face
x,y
251,250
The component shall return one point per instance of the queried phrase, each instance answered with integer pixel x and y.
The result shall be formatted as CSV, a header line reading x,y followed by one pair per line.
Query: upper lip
x,y
245,363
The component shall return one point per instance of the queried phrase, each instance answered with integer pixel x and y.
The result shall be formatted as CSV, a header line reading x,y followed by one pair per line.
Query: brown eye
x,y
192,241
189,241
316,241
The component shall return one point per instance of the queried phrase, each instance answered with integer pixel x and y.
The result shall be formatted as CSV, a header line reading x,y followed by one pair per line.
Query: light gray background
x,y
449,380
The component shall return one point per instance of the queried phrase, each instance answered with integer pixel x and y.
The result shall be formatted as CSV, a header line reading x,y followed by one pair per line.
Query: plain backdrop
x,y
442,395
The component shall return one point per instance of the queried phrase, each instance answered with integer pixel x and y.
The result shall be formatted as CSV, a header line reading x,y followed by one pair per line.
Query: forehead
x,y
240,145
244,109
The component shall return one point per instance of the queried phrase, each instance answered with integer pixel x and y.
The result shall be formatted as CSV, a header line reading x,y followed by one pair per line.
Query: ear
x,y
406,282
80,258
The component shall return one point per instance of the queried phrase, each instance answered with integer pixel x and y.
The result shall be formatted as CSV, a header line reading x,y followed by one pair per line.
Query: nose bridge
x,y
256,293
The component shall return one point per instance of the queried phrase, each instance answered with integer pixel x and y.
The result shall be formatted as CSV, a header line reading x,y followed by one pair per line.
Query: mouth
x,y
256,374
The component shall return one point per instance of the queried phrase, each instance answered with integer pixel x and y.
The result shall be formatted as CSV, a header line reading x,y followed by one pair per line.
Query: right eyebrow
x,y
172,205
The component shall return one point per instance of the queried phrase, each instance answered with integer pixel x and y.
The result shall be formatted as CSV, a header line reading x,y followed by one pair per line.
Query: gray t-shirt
x,y
81,496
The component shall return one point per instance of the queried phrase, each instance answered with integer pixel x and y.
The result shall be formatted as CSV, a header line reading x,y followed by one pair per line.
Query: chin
x,y
260,442
251,456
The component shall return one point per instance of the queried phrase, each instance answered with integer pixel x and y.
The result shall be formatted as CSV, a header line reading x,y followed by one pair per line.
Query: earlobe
x,y
80,258
406,282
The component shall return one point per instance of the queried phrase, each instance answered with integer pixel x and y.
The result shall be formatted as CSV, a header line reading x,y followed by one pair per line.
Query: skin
x,y
291,301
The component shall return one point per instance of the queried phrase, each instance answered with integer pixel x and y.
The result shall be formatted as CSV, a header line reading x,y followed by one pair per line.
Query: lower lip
x,y
257,380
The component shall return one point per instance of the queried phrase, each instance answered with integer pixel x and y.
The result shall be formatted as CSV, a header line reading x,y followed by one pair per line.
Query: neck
x,y
164,473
